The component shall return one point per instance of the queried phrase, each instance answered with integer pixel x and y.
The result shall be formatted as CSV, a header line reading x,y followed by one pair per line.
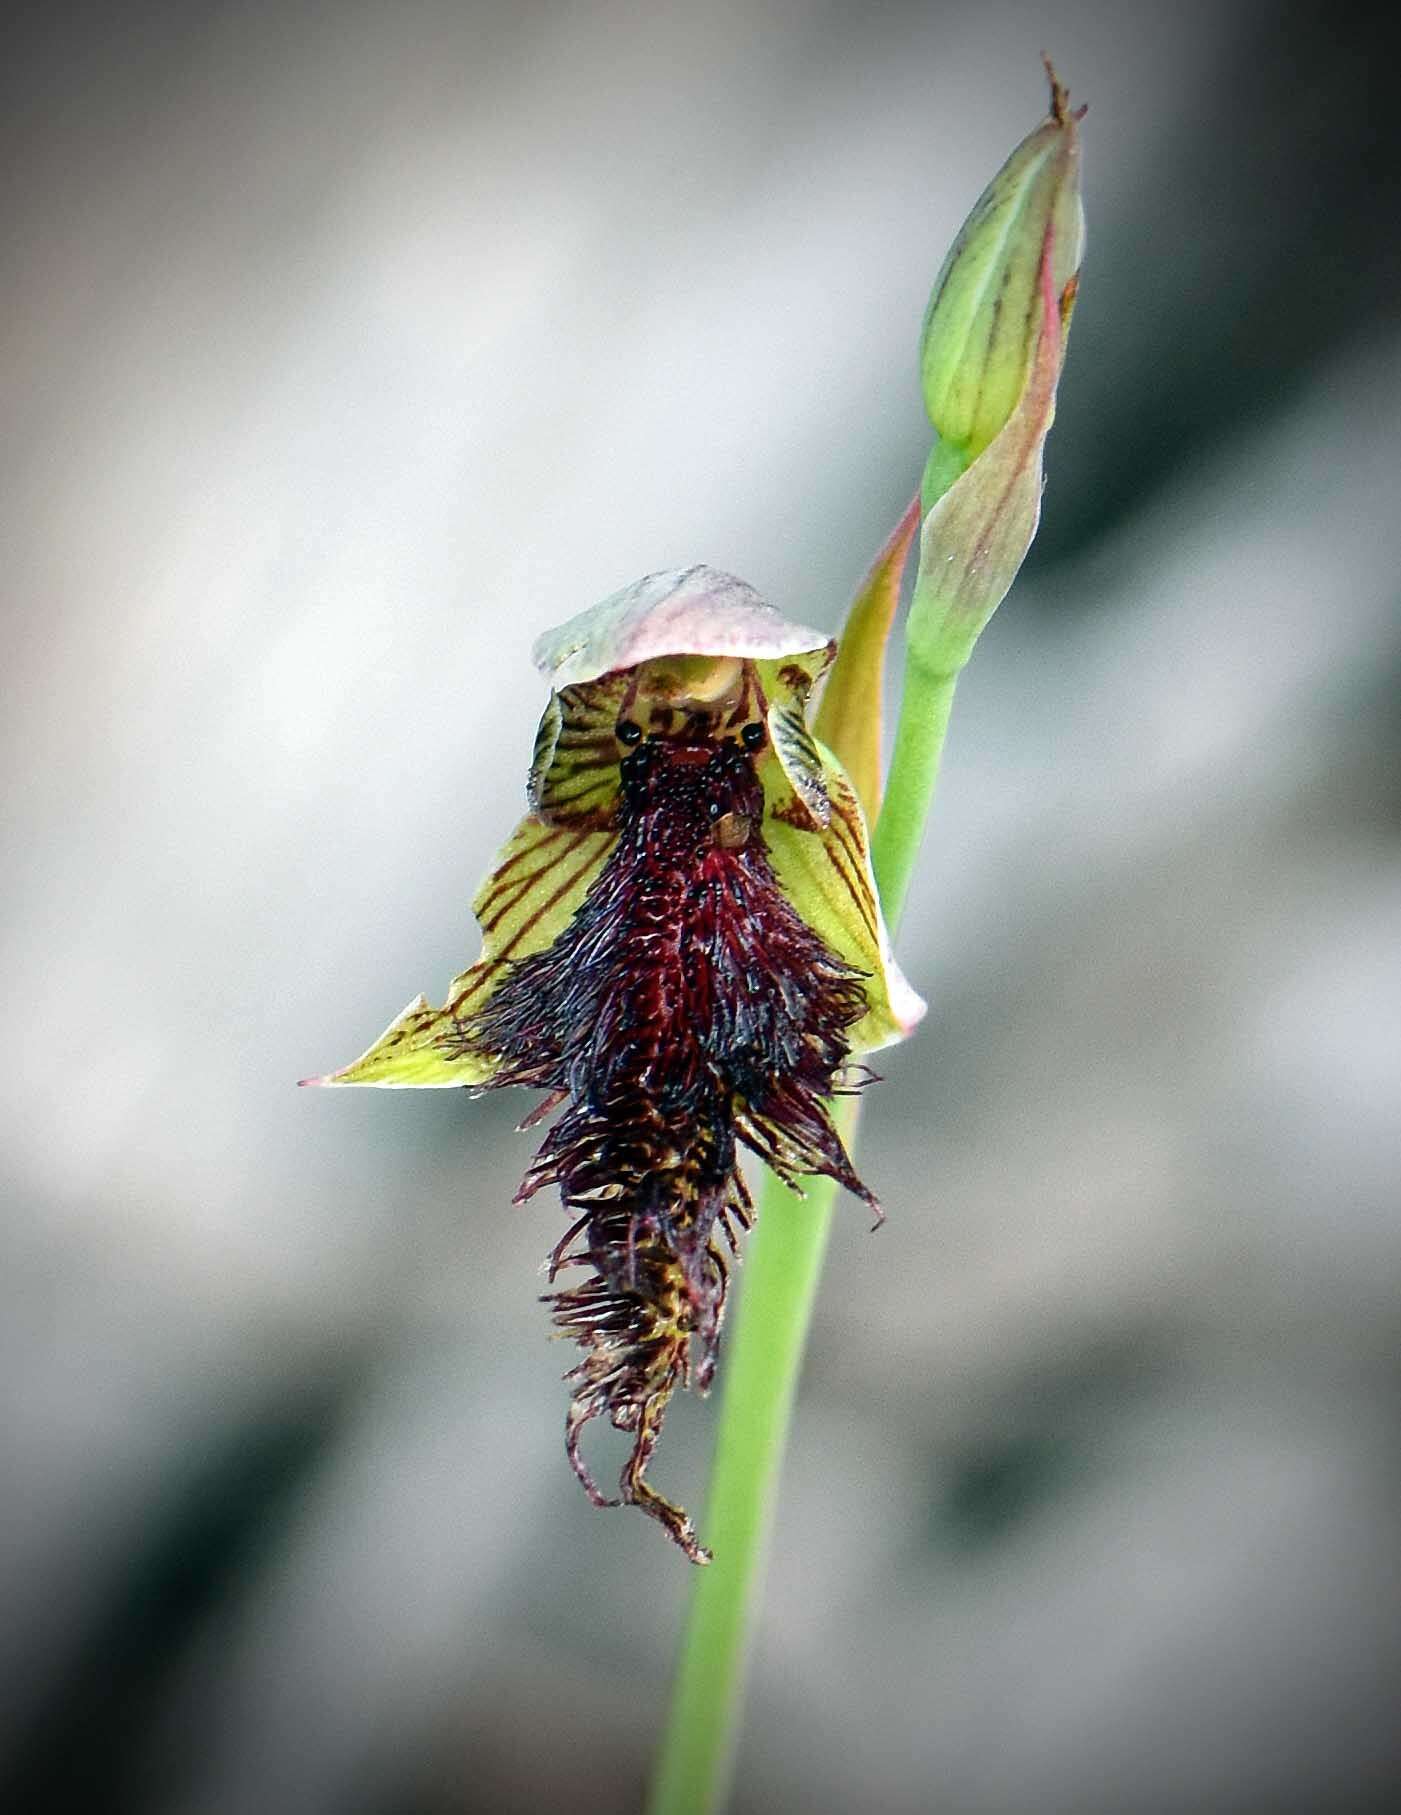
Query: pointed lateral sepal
x,y
535,887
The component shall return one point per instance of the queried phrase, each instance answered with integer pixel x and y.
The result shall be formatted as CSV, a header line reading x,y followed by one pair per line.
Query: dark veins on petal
x,y
686,1009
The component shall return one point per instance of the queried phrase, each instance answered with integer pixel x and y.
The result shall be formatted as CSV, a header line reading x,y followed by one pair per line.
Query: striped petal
x,y
824,866
574,769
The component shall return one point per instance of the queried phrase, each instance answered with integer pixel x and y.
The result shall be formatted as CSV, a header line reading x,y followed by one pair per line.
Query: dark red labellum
x,y
687,1010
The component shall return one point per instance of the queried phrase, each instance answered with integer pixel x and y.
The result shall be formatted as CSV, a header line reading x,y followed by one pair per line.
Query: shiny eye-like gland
x,y
627,731
752,736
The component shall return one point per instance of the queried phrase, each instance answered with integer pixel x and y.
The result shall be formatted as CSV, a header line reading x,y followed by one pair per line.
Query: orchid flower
x,y
683,947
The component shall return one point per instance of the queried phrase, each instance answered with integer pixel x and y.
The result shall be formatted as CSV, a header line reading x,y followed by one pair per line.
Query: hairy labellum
x,y
686,1009
681,945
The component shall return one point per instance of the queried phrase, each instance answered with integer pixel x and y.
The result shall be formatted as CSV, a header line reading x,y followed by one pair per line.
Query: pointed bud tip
x,y
1060,111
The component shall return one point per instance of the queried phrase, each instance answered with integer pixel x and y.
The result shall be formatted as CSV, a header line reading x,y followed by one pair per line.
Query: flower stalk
x,y
991,353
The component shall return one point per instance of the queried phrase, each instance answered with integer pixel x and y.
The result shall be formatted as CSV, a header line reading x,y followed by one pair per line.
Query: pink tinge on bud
x,y
976,536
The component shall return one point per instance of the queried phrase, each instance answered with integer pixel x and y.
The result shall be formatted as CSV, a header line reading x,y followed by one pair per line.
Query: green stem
x,y
765,1354
762,1363
926,701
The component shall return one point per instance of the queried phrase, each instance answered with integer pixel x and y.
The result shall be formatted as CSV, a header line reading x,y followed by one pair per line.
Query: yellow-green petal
x,y
825,871
574,769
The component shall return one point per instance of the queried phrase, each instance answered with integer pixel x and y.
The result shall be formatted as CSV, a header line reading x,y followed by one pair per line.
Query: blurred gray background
x,y
344,349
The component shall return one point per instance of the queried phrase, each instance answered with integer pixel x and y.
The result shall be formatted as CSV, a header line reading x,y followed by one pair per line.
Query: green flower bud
x,y
981,327
991,353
